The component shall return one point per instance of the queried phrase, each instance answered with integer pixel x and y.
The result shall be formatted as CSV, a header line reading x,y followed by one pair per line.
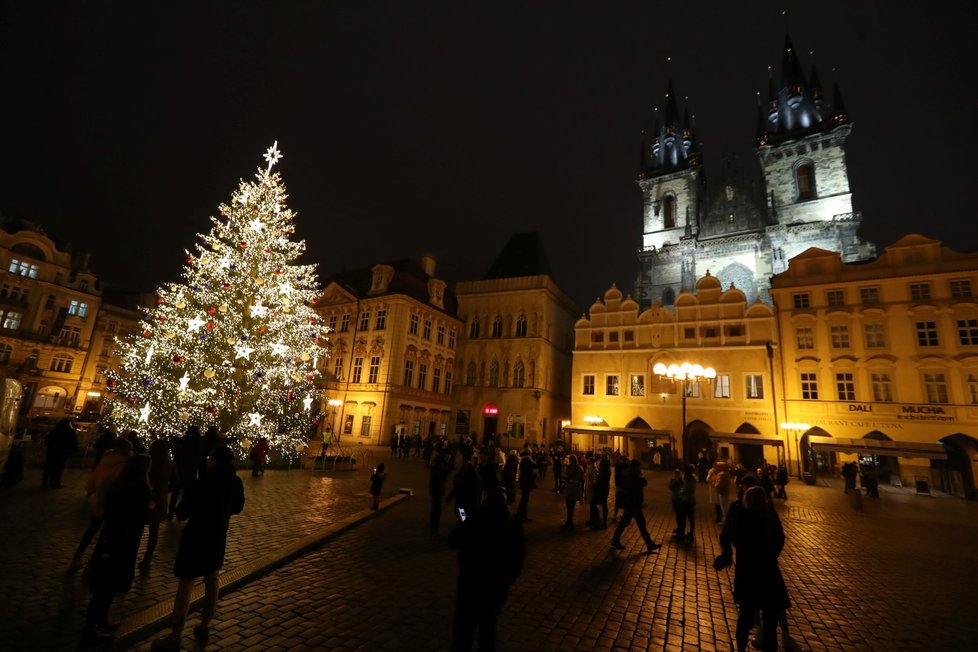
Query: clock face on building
x,y
730,193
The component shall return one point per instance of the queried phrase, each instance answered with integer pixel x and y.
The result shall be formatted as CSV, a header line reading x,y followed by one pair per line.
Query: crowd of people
x,y
133,488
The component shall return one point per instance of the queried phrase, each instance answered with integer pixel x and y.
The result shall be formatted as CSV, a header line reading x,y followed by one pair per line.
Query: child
x,y
376,483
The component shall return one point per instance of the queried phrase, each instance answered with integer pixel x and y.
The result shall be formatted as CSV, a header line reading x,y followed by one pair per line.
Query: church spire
x,y
839,114
674,142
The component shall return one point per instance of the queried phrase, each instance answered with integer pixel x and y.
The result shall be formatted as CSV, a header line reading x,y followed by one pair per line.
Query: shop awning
x,y
745,438
644,433
878,447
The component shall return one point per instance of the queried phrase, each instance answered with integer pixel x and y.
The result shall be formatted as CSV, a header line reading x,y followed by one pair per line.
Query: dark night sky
x,y
444,127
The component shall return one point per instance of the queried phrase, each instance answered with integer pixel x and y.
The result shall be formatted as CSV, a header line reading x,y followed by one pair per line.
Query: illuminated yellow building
x,y
392,352
56,330
514,359
881,362
619,402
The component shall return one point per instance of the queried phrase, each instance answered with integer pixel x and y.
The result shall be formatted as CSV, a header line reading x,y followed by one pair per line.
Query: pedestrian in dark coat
x,y
207,507
126,508
466,485
754,529
600,490
634,495
187,454
492,549
212,439
259,457
573,489
97,486
160,475
437,477
104,442
377,485
510,471
61,442
527,480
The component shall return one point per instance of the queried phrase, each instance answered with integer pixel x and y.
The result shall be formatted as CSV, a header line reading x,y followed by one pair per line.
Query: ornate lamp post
x,y
796,428
683,375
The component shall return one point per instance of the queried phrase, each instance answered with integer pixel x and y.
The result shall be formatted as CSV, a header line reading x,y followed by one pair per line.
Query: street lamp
x,y
682,375
796,428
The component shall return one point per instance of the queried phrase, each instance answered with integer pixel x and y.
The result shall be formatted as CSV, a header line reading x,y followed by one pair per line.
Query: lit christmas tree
x,y
236,345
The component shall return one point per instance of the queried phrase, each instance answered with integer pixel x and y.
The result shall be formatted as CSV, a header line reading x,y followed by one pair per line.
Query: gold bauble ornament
x,y
185,416
209,373
305,357
231,341
170,335
181,305
223,308
260,281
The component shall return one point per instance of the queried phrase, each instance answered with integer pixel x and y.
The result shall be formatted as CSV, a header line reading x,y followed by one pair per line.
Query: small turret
x,y
839,113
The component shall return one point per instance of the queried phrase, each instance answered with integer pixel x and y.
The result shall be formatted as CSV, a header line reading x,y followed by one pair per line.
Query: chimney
x,y
428,264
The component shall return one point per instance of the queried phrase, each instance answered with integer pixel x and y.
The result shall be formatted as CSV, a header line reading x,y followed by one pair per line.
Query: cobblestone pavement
x,y
894,576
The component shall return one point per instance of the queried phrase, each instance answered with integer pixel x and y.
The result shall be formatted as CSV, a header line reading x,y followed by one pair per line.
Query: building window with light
x,y
440,336
497,327
374,372
422,375
521,326
805,180
972,383
345,324
926,333
721,386
968,332
451,338
78,308
11,320
519,375
801,300
875,336
919,291
448,381
413,325
935,388
331,324
23,268
364,320
70,335
845,386
636,385
755,385
611,385
426,331
380,323
338,368
435,379
408,372
805,337
809,387
882,385
357,369
839,336
62,363
960,288
587,388
365,426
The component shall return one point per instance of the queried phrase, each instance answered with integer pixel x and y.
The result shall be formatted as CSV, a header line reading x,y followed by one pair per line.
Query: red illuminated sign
x,y
490,409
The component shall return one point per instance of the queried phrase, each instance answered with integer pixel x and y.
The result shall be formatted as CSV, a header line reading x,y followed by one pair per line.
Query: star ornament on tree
x,y
144,414
255,419
184,381
195,324
280,349
259,310
243,351
272,155
307,402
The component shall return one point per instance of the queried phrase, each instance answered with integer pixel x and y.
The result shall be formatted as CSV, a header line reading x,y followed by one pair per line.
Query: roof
x,y
409,279
523,255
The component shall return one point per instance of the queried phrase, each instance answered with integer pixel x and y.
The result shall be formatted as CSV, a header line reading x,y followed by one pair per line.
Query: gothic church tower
x,y
743,231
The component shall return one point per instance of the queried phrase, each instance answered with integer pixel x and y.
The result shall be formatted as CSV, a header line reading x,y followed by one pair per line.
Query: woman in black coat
x,y
127,506
754,529
208,507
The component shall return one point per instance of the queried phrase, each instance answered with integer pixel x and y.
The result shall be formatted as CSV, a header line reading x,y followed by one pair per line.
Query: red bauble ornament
x,y
262,330
159,300
210,325
211,310
211,409
112,383
162,318
147,333
227,286
242,244
291,396
179,359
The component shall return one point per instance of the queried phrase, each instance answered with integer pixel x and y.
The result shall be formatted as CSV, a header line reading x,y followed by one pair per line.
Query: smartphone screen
x,y
461,513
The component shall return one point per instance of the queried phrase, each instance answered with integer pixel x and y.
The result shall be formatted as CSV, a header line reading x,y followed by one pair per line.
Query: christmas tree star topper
x,y
272,155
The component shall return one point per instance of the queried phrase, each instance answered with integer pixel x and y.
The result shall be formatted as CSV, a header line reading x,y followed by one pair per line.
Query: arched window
x,y
497,326
62,363
494,374
669,211
668,297
805,178
519,375
474,328
521,326
470,374
5,351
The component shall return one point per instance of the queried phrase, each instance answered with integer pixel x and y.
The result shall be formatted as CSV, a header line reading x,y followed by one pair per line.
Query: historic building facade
x,y
743,231
881,361
392,352
619,402
514,358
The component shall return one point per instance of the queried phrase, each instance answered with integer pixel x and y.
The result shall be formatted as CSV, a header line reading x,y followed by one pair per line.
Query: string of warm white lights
x,y
236,344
